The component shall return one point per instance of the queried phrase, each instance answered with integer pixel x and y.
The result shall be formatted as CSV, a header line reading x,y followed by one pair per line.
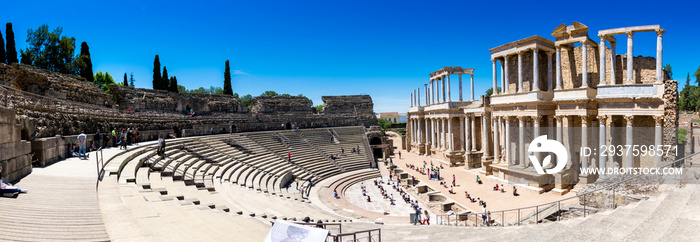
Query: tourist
x,y
358,149
478,180
123,139
289,157
399,154
342,150
212,130
452,191
311,182
33,159
320,224
454,180
488,219
297,182
426,217
98,137
183,133
496,187
94,146
72,150
335,193
136,136
515,191
416,218
257,116
82,143
114,138
483,215
161,145
8,189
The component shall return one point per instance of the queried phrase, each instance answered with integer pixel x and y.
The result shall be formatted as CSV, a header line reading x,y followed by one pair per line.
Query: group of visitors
x,y
118,138
8,189
421,216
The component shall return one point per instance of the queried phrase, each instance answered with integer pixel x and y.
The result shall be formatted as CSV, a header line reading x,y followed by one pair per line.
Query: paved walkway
x,y
61,204
466,181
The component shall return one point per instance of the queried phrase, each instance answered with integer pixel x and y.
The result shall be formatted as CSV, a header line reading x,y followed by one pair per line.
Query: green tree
x,y
489,92
11,53
228,90
156,74
126,81
384,123
172,86
165,80
668,70
104,80
269,94
26,58
85,62
697,76
181,89
247,101
308,100
131,80
319,108
2,49
51,50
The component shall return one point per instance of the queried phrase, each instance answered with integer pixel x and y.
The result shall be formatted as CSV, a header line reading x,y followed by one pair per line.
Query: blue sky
x,y
381,48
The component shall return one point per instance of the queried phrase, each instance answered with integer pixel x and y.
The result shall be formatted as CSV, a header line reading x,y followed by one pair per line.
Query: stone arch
x,y
375,141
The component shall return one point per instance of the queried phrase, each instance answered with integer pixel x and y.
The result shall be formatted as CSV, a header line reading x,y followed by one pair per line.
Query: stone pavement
x,y
466,181
61,204
378,203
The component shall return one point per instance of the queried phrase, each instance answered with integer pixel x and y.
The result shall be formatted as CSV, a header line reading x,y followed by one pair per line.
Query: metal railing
x,y
568,208
368,235
99,161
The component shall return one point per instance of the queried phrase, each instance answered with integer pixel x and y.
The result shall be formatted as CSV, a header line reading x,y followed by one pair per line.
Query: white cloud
x,y
239,72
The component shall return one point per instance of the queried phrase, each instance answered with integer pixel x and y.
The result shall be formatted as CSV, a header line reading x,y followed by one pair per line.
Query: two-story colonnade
x,y
574,89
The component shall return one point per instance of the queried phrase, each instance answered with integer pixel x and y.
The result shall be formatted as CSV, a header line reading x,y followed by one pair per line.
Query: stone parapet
x,y
14,153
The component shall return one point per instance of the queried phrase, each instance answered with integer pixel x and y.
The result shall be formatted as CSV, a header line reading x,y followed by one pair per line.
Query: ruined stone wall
x,y
51,84
351,105
528,71
281,104
141,99
571,71
670,125
14,152
644,69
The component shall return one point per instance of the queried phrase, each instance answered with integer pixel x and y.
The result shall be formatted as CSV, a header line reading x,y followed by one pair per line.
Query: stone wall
x,y
670,125
14,152
51,84
141,99
571,72
351,105
686,118
644,69
281,104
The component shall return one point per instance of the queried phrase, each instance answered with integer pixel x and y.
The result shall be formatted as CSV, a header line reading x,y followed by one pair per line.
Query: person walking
x,y
416,218
82,143
454,180
426,218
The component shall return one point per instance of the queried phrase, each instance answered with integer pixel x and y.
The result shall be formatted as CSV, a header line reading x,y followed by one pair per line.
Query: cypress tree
x,y
164,81
173,84
27,59
156,74
86,70
126,82
2,49
11,52
228,90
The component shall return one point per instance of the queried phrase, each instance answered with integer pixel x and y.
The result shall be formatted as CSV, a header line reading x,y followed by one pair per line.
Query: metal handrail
x,y
99,161
339,237
558,202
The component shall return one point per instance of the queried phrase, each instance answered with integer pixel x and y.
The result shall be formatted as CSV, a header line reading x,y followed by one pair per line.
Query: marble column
x,y
535,133
437,91
560,135
558,60
461,134
473,135
602,157
412,101
601,51
432,92
484,135
503,77
433,132
613,57
449,134
658,132
535,70
584,140
418,97
420,131
584,64
629,141
630,59
427,97
550,84
467,132
495,131
427,133
444,92
509,161
520,71
449,89
495,77
444,133
521,142
460,87
506,81
659,56
472,83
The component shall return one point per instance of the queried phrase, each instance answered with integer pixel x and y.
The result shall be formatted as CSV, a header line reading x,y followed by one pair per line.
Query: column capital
x,y
629,119
537,119
630,34
660,32
602,37
522,118
602,118
584,119
658,120
584,42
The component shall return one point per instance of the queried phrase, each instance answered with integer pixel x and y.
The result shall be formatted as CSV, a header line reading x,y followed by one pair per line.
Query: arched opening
x,y
375,141
377,153
288,125
25,133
